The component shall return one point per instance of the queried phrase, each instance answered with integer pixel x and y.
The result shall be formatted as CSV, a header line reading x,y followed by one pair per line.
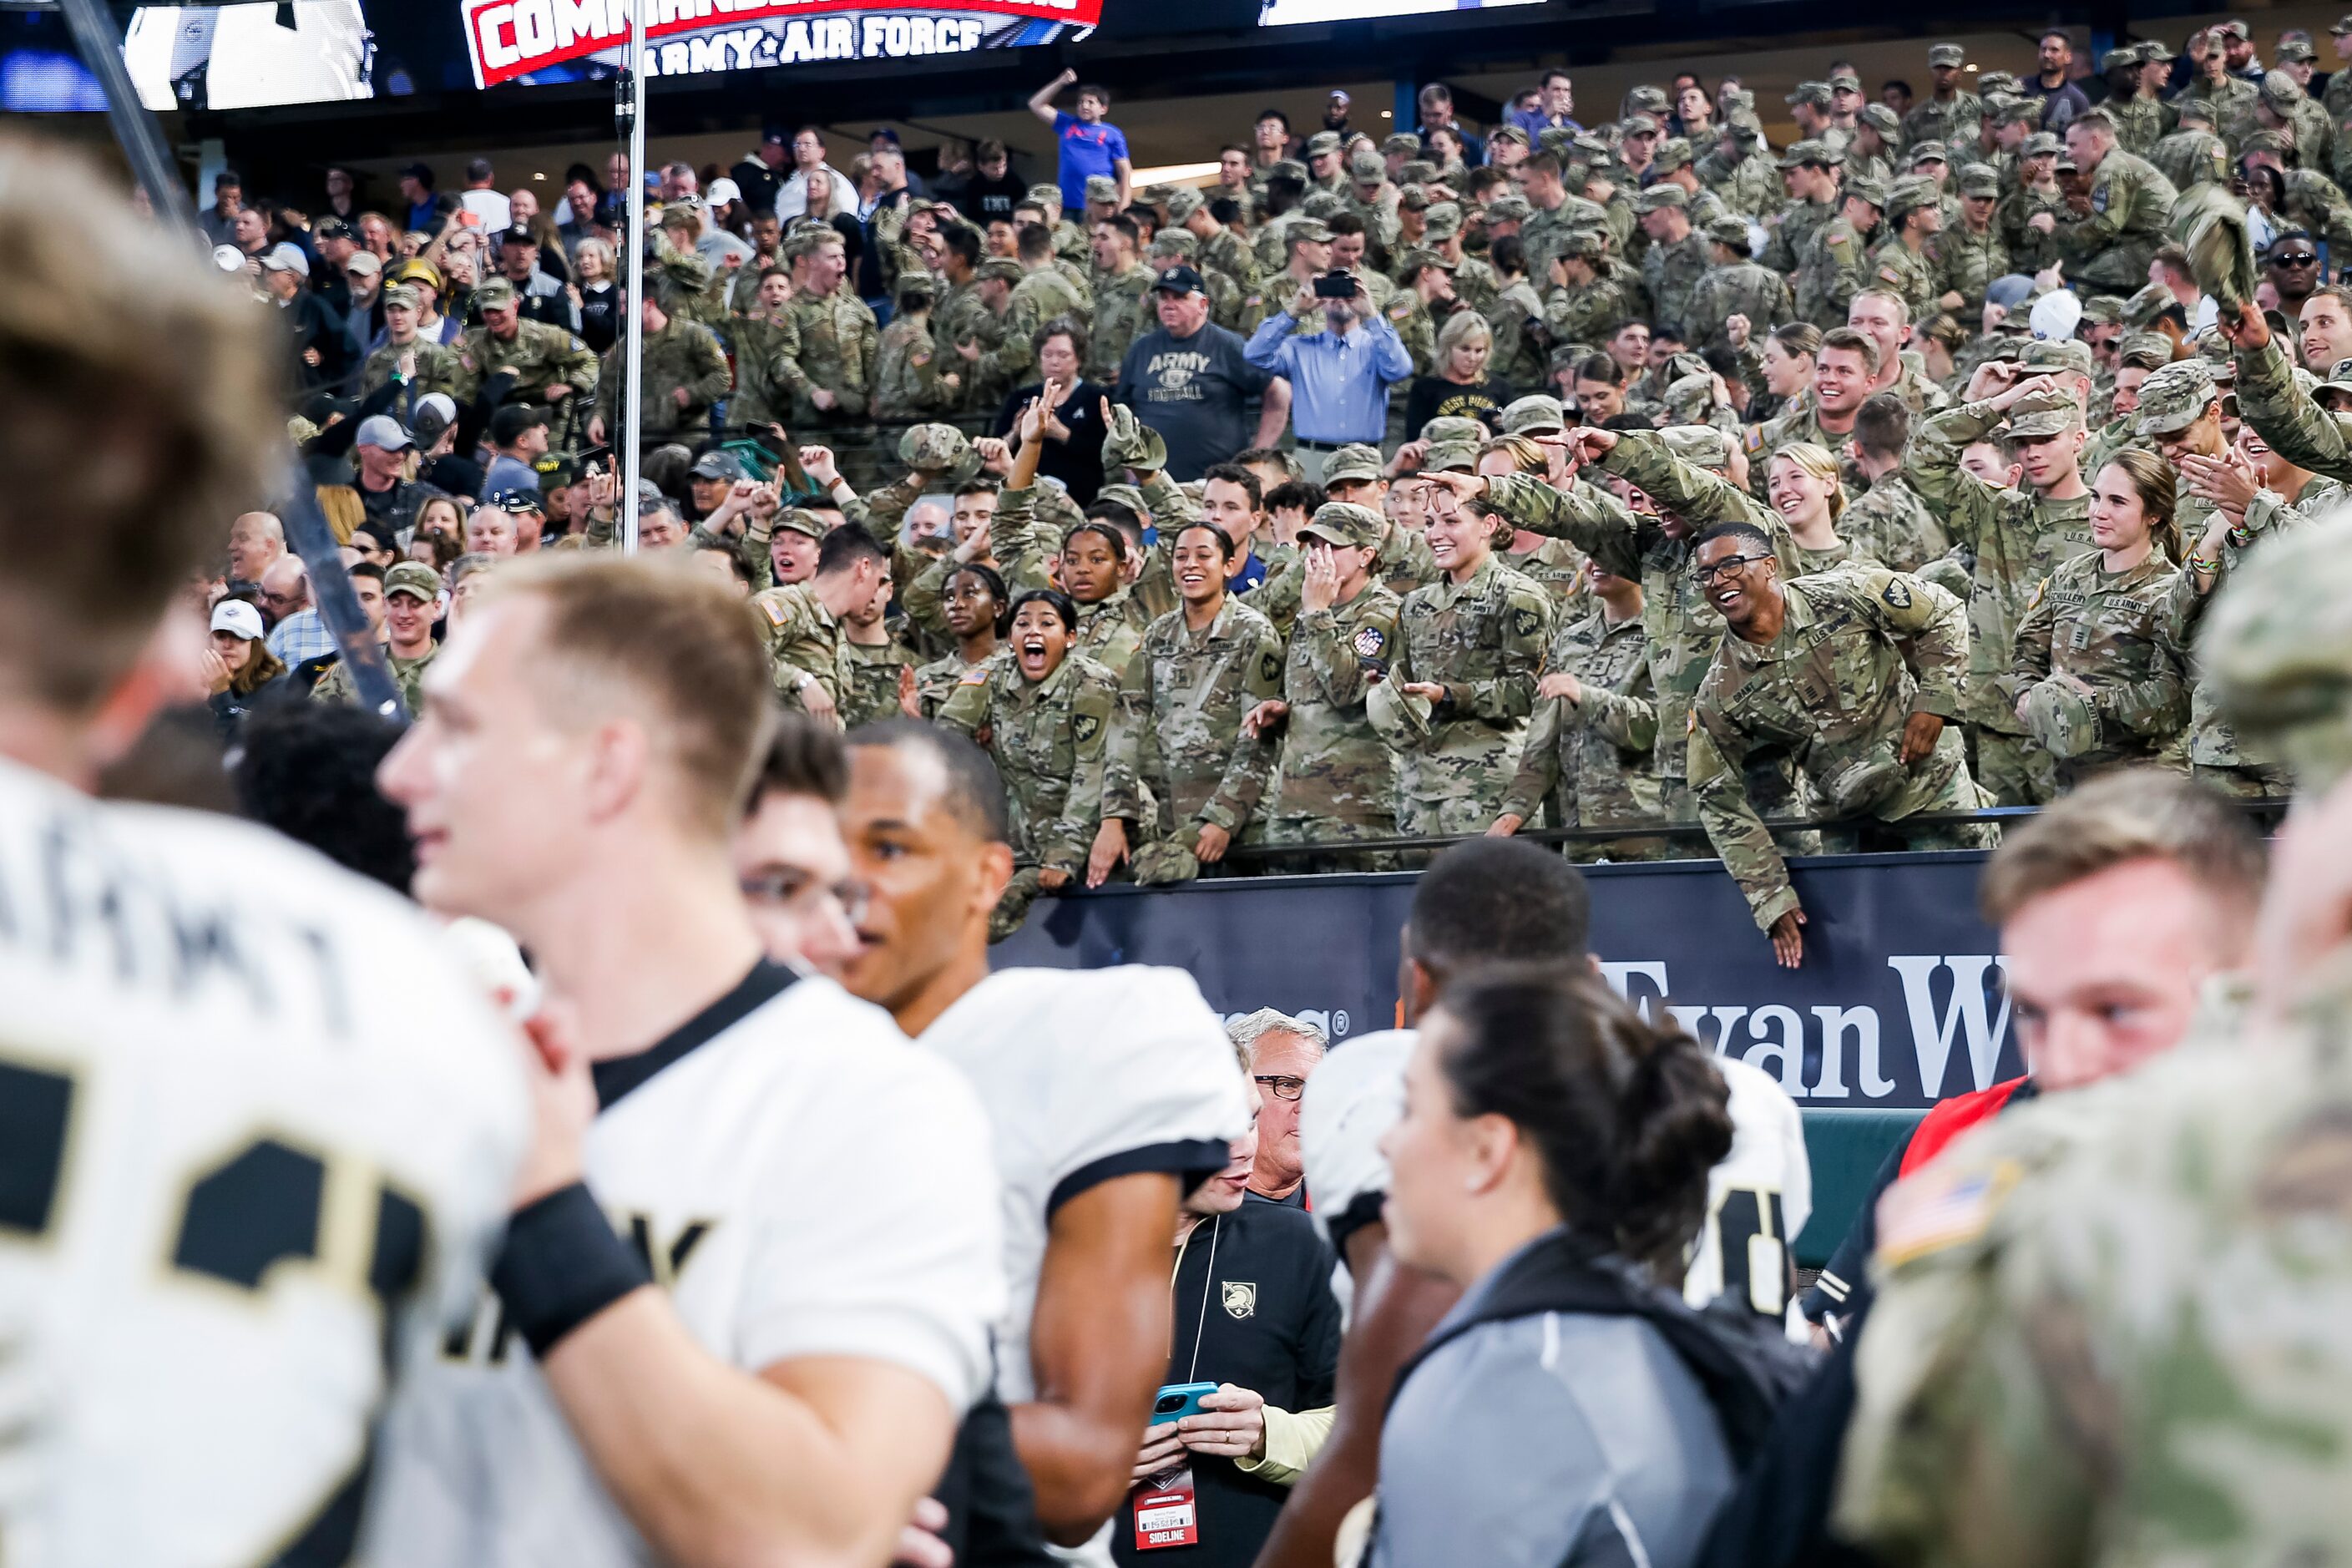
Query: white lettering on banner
x,y
1774,1035
491,42
535,26
1931,1037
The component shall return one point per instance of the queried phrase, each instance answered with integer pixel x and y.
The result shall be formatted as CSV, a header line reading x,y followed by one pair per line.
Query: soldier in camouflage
x,y
1122,298
1585,307
1949,113
1338,777
802,623
685,377
2111,236
1839,261
830,336
1048,716
551,368
2192,154
412,594
1677,259
912,377
1808,175
423,365
1889,524
1971,255
2019,539
1587,761
1904,261
1735,285
1853,674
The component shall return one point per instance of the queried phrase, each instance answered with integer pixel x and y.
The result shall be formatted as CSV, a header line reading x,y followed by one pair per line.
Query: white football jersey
x,y
1087,1075
803,1182
1758,1196
258,1129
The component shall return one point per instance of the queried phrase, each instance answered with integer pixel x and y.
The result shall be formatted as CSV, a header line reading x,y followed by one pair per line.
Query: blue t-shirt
x,y
1086,151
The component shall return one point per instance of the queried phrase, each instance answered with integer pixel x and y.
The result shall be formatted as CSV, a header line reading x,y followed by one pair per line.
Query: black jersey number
x,y
266,1205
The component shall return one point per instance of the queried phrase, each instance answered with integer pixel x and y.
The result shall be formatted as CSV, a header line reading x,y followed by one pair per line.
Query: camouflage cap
x,y
2233,29
2275,650
2117,59
1640,125
1128,496
2056,356
1412,199
1453,427
2061,718
1444,220
1881,119
2042,414
1648,99
2155,52
1732,231
1658,198
1813,93
2017,111
998,270
1980,180
1101,188
1862,187
1417,172
1689,397
1342,522
1845,80
2294,44
2171,398
1703,445
1950,55
1322,204
1674,153
1184,202
1289,167
1047,195
799,520
1512,208
1808,151
413,577
915,289
932,448
1929,151
1368,167
1355,463
2281,90
2263,139
1322,142
2198,109
2142,309
1905,196
1403,144
1410,263
401,295
1589,244
684,212
2339,375
495,294
1306,231
1399,719
2341,25
1174,244
2041,144
1534,415
1452,456
2148,351
1511,134
1991,82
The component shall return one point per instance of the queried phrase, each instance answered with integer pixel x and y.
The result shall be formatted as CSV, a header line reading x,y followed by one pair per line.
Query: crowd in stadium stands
x,y
1396,488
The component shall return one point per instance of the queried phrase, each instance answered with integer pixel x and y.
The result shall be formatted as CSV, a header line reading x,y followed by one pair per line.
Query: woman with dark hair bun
x,y
1552,1161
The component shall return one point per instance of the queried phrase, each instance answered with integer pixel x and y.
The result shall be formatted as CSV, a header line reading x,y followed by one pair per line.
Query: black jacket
x,y
1262,1317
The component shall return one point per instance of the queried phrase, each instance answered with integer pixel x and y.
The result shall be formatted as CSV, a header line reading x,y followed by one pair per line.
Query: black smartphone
x,y
1335,285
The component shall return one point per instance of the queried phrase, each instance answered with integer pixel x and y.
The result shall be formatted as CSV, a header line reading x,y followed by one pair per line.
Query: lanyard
x,y
1201,1323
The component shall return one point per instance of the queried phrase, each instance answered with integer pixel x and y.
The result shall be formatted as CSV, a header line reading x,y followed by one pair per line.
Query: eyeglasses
x,y
1285,1086
1728,563
789,885
2294,260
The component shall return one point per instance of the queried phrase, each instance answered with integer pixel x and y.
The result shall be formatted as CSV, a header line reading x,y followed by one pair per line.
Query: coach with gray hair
x,y
1279,1052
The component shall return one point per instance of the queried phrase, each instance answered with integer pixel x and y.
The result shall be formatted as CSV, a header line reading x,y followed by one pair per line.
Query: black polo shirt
x,y
1262,1317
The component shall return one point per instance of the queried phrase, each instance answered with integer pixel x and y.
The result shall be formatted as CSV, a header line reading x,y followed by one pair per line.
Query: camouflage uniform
x,y
2019,540
1681,627
1587,762
2140,123
1050,741
1791,235
1749,186
1338,777
437,369
683,354
830,341
1671,271
805,642
1832,273
1740,288
1182,706
334,685
2191,157
1967,260
908,371
1861,651
1934,120
2111,246
1589,315
1037,299
540,356
1123,309
2107,631
1484,641
872,692
761,397
1890,525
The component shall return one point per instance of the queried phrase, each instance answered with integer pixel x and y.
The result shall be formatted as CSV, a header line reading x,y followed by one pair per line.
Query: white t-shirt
x,y
802,1181
249,1103
1764,1186
1087,1075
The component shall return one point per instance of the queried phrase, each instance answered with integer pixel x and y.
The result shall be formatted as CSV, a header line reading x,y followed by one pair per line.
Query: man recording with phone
x,y
1340,376
1248,1398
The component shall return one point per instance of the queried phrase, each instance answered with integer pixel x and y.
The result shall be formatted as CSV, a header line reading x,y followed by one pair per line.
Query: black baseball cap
x,y
1179,281
521,499
516,236
330,228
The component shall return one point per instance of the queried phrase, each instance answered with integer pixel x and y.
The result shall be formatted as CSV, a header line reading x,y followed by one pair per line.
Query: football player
x,y
745,1295
255,1113
1112,1092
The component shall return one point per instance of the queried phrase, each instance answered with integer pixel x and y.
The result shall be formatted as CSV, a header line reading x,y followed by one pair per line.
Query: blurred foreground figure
x,y
2117,1327
232,1189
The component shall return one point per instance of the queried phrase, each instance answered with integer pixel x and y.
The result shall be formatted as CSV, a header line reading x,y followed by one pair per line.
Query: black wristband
x,y
561,1266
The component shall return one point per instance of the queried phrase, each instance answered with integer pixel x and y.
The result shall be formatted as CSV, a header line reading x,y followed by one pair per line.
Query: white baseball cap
x,y
722,191
237,618
287,257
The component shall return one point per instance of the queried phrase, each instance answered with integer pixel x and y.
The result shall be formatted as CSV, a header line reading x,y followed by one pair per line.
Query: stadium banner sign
x,y
1900,1001
513,39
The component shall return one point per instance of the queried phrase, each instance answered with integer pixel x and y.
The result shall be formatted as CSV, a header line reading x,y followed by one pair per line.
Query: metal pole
x,y
99,40
634,348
